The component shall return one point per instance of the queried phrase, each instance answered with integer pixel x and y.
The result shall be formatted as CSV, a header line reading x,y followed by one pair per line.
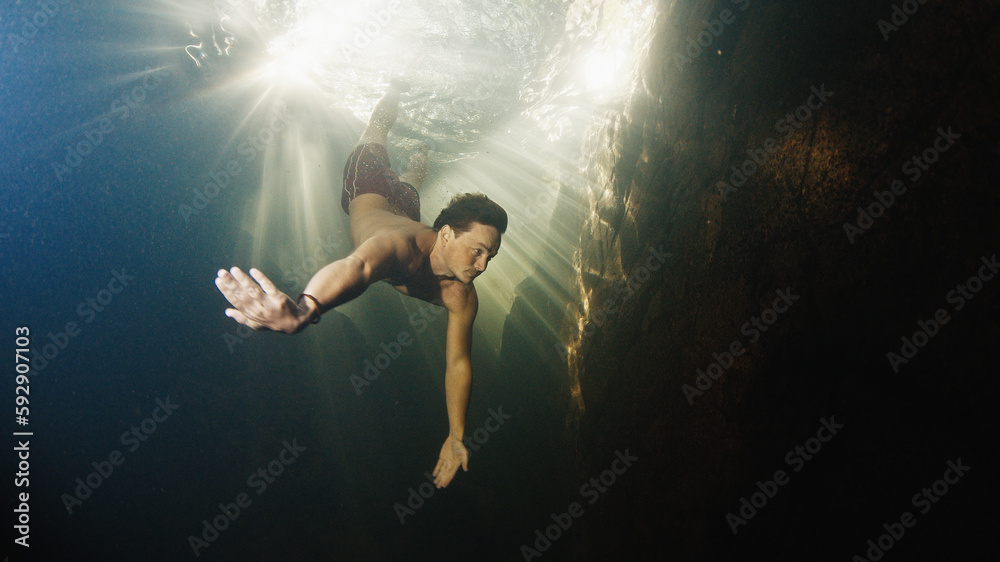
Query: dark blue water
x,y
148,144
131,174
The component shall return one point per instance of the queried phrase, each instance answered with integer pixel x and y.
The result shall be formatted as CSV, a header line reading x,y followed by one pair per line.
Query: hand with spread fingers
x,y
259,304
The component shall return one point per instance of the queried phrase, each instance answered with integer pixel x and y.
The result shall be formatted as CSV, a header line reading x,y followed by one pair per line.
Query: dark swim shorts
x,y
367,171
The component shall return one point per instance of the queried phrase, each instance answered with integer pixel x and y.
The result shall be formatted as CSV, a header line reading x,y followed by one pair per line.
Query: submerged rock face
x,y
791,207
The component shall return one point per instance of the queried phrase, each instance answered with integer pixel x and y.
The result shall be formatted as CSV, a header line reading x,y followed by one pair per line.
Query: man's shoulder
x,y
459,298
404,239
406,231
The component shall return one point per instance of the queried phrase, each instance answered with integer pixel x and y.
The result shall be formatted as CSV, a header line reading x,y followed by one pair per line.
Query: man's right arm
x,y
345,279
257,303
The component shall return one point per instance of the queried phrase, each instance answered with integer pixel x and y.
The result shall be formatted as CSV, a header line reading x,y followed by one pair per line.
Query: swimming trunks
x,y
367,171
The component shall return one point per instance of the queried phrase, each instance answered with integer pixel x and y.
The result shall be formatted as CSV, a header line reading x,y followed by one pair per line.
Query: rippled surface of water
x,y
471,63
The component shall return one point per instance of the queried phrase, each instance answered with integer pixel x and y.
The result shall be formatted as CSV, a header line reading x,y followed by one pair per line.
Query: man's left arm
x,y
458,385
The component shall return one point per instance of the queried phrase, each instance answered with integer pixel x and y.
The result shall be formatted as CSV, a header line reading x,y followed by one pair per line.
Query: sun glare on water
x,y
507,95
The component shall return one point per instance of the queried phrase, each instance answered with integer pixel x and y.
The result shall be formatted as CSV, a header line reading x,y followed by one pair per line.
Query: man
x,y
437,265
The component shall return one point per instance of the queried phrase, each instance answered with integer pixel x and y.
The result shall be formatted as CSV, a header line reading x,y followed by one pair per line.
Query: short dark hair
x,y
467,208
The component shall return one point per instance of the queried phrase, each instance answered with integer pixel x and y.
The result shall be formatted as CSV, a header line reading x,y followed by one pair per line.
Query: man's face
x,y
470,252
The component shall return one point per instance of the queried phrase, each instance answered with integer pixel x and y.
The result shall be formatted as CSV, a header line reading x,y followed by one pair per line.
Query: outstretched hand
x,y
453,454
261,307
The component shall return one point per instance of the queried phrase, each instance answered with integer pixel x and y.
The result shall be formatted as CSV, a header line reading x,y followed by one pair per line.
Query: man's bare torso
x,y
373,217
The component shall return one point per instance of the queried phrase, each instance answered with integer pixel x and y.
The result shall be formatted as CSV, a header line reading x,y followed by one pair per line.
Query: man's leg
x,y
384,114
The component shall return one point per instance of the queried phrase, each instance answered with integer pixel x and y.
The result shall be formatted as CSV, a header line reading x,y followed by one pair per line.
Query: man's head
x,y
469,229
468,208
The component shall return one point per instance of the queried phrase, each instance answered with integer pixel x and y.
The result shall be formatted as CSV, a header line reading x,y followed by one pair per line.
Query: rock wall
x,y
747,163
